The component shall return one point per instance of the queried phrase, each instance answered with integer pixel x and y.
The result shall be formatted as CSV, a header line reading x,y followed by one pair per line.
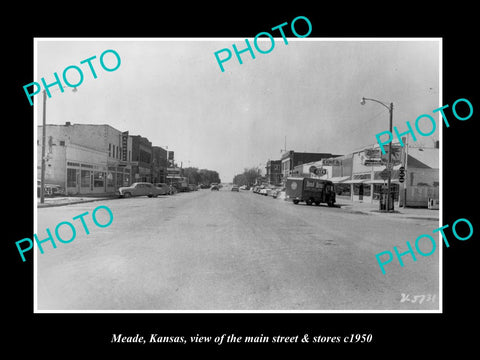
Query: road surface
x,y
223,250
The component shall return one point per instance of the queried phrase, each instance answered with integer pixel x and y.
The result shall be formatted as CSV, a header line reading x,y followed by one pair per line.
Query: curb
x,y
400,215
73,202
397,214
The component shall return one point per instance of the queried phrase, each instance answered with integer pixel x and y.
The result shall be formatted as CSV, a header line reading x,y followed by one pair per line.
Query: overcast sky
x,y
173,92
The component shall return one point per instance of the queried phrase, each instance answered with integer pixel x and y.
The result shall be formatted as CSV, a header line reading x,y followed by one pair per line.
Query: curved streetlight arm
x,y
390,110
389,107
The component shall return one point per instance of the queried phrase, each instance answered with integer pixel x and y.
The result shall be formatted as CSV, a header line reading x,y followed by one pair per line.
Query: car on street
x,y
263,191
192,187
214,188
50,190
310,191
235,188
258,189
277,192
164,188
139,189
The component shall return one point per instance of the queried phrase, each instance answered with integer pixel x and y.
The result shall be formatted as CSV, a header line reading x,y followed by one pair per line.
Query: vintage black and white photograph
x,y
238,175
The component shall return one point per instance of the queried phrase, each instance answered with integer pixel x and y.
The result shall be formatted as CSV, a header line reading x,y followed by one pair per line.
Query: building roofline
x,y
68,125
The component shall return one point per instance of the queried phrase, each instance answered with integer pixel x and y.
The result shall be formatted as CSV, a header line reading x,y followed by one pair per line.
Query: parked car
x,y
269,192
192,187
173,190
235,188
164,188
214,188
50,190
139,189
260,189
276,192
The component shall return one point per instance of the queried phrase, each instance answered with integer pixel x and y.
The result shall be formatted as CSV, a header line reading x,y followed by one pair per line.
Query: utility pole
x,y
284,146
406,173
389,160
389,164
44,136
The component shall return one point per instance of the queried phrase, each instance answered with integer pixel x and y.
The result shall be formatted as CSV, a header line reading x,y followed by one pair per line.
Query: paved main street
x,y
224,250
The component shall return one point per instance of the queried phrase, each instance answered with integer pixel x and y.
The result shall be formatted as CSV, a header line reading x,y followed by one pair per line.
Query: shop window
x,y
367,190
98,179
71,178
85,178
119,179
110,180
362,189
379,188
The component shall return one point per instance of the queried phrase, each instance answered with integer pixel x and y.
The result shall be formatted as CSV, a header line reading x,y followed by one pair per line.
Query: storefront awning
x,y
378,181
355,181
338,179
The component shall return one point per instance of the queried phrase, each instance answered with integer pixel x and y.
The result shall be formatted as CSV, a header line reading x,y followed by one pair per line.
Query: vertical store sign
x,y
124,145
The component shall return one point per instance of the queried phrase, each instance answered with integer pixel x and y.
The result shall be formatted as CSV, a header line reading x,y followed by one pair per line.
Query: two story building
x,y
84,158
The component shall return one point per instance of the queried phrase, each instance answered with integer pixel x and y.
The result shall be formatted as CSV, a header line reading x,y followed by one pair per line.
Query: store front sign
x,y
124,145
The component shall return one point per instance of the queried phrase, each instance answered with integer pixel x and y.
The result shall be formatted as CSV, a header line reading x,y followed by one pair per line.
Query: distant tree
x,y
240,179
208,176
248,177
203,176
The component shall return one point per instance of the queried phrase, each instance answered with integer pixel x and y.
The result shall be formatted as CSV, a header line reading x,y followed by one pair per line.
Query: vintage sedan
x,y
139,189
164,188
50,190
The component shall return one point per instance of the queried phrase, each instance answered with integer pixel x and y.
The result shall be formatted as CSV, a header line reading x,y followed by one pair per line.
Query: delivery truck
x,y
309,190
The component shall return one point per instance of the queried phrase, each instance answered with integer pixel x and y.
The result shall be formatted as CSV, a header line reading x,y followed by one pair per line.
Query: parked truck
x,y
181,184
309,190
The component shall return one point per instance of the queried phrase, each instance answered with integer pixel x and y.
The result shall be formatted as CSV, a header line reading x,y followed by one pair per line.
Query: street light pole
x,y
44,135
389,159
389,181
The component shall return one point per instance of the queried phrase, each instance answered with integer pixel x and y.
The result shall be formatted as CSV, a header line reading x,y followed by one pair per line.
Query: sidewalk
x,y
343,203
69,200
373,209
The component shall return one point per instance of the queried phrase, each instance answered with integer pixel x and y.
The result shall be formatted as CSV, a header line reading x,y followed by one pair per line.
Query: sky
x,y
173,92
